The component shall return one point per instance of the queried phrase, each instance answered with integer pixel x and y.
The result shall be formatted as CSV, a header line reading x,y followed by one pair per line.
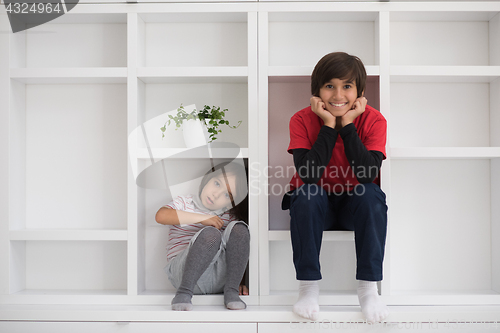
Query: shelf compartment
x,y
154,239
445,114
338,268
287,95
68,267
67,235
68,146
453,38
157,100
291,35
73,40
193,39
444,224
68,75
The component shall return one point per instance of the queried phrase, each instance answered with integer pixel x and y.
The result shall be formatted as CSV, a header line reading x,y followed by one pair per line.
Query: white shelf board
x,y
261,314
286,11
455,298
444,73
67,235
160,153
307,70
75,17
444,152
333,298
226,15
451,12
57,292
421,298
223,74
347,14
159,297
336,236
455,292
69,75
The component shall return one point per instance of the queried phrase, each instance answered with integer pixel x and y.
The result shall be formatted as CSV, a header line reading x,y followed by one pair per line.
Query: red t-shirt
x,y
338,176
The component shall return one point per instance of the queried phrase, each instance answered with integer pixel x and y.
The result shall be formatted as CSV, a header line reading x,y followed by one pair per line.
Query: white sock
x,y
372,306
307,306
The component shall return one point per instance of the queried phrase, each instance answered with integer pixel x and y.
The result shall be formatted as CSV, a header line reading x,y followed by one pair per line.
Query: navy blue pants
x,y
362,210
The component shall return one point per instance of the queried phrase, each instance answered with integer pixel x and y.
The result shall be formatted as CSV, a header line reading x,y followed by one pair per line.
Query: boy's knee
x,y
370,196
369,192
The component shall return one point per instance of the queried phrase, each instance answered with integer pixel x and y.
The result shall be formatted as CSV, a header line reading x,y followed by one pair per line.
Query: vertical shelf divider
x,y
495,172
4,151
263,56
132,123
16,159
140,116
253,148
494,30
495,224
385,105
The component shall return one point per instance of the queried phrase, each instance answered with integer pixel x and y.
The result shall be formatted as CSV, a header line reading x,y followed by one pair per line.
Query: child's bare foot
x,y
372,306
307,306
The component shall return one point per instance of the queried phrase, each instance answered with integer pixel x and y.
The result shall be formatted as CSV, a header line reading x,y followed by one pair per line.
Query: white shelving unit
x,y
82,99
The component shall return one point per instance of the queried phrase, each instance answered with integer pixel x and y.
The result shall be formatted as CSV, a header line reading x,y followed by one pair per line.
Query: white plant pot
x,y
195,133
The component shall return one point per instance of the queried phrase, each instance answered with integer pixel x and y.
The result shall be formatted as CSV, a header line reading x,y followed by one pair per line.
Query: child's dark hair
x,y
338,65
240,198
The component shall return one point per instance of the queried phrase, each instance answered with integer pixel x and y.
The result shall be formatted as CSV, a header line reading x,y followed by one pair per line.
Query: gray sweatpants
x,y
213,279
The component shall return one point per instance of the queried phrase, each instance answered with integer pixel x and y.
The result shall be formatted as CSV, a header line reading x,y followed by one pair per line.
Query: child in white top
x,y
208,245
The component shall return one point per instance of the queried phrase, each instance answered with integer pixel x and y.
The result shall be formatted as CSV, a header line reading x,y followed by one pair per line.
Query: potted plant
x,y
209,117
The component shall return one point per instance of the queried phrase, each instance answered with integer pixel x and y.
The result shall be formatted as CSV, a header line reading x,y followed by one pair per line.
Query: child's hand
x,y
213,221
243,289
357,109
318,107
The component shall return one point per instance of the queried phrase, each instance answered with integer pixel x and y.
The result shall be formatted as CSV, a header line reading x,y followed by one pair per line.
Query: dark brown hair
x,y
338,65
240,198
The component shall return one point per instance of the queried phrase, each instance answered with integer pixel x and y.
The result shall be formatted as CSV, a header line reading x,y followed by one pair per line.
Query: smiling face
x,y
217,193
338,96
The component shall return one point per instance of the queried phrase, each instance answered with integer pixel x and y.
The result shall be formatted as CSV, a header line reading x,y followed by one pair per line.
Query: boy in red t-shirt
x,y
338,144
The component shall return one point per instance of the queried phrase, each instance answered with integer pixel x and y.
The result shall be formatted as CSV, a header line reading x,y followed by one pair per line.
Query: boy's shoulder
x,y
305,119
373,113
306,114
307,111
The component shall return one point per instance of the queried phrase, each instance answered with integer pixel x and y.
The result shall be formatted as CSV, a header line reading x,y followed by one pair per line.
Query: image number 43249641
x,y
26,14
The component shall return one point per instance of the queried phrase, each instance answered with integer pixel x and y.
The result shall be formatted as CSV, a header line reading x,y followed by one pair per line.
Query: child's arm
x,y
169,216
311,163
318,107
357,109
365,163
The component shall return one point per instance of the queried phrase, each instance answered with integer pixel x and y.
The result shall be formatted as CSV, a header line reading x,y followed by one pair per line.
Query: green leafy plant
x,y
213,117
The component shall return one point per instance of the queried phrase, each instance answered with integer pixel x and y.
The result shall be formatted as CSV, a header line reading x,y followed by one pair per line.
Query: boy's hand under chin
x,y
357,109
318,107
